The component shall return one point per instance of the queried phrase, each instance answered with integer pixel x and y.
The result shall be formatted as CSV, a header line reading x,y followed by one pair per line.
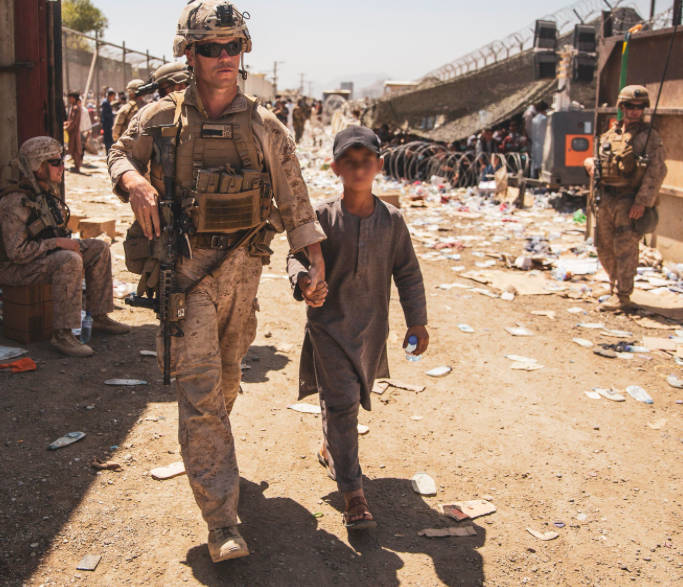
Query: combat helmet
x,y
634,93
34,152
134,85
172,74
210,19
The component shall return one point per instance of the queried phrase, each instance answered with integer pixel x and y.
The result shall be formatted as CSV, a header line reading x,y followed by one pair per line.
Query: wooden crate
x,y
92,227
27,312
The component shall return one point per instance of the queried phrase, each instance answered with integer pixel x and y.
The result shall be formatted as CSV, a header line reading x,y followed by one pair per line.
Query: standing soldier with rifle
x,y
630,168
216,161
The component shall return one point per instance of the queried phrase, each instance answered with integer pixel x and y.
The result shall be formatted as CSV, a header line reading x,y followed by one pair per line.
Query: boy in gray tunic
x,y
348,316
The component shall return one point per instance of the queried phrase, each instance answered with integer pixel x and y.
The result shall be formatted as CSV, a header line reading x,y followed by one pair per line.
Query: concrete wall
x,y
8,88
257,85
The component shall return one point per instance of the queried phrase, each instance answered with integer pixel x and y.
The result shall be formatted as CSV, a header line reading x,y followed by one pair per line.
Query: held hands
x,y
314,295
422,338
637,211
144,202
68,244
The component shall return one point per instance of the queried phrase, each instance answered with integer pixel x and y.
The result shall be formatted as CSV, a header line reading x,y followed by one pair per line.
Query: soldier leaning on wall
x,y
631,170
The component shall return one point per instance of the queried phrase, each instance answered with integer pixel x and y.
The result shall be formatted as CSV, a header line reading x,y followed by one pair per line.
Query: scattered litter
x,y
318,515
617,333
9,352
591,325
66,440
99,465
125,382
453,511
575,310
466,328
583,342
23,365
305,408
148,353
520,359
609,394
547,313
674,381
545,536
559,524
658,425
168,472
592,394
439,371
607,353
363,429
519,331
526,365
639,394
475,508
416,418
380,387
581,517
423,484
89,562
508,296
444,532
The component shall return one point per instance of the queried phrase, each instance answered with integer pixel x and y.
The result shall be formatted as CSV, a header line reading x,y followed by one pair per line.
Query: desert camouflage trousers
x,y
219,327
617,242
64,270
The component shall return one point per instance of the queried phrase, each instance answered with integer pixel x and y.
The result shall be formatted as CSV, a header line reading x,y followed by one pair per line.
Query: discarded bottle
x,y
86,328
410,349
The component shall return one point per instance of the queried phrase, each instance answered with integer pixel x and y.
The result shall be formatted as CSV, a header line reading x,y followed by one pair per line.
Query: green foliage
x,y
83,16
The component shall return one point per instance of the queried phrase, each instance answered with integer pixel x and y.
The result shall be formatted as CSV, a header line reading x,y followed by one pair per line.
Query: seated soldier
x,y
36,247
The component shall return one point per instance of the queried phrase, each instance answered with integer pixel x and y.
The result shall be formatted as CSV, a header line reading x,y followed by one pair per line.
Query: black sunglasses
x,y
56,162
215,49
632,106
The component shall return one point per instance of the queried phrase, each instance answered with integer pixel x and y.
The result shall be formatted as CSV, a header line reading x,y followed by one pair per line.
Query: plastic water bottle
x,y
410,349
86,328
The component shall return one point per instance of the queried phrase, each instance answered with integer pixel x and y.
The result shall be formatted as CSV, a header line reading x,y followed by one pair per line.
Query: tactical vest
x,y
219,171
45,219
621,166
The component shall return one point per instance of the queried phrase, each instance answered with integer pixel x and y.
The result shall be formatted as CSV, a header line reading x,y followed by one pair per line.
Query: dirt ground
x,y
531,442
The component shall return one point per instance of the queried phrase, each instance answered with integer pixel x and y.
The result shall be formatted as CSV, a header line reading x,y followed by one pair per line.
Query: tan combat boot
x,y
226,544
65,342
105,324
625,303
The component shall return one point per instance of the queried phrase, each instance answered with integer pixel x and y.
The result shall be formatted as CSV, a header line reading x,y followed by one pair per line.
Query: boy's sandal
x,y
357,515
325,463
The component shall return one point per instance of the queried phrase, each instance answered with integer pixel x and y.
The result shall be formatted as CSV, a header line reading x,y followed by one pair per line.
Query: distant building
x,y
347,86
257,85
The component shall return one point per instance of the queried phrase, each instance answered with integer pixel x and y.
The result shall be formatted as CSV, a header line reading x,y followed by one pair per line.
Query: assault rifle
x,y
169,300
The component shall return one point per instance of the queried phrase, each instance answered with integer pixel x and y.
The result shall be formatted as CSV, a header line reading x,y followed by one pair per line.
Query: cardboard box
x,y
92,227
27,313
75,222
392,198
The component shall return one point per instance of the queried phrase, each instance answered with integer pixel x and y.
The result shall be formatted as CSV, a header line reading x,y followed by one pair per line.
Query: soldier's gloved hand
x,y
144,202
68,244
636,212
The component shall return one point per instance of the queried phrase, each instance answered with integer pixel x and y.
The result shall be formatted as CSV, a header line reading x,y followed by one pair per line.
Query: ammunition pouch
x,y
142,258
226,203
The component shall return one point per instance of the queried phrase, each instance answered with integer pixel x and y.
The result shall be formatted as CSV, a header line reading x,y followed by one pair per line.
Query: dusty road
x,y
608,473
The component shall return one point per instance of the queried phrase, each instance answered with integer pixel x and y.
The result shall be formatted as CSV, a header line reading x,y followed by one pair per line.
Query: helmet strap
x,y
243,70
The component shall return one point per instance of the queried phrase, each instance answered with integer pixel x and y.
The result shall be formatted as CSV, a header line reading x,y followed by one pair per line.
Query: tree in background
x,y
83,16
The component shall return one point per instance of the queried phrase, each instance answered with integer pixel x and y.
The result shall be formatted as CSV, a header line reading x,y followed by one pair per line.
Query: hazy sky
x,y
330,40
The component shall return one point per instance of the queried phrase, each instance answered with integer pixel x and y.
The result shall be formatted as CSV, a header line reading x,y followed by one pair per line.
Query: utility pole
x,y
310,89
275,65
301,84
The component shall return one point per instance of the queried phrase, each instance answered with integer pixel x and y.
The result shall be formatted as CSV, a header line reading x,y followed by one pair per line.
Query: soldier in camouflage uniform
x,y
223,138
300,115
128,110
172,77
35,247
632,169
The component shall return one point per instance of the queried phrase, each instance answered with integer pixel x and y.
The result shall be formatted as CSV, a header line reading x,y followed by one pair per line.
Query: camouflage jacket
x,y
294,212
648,192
